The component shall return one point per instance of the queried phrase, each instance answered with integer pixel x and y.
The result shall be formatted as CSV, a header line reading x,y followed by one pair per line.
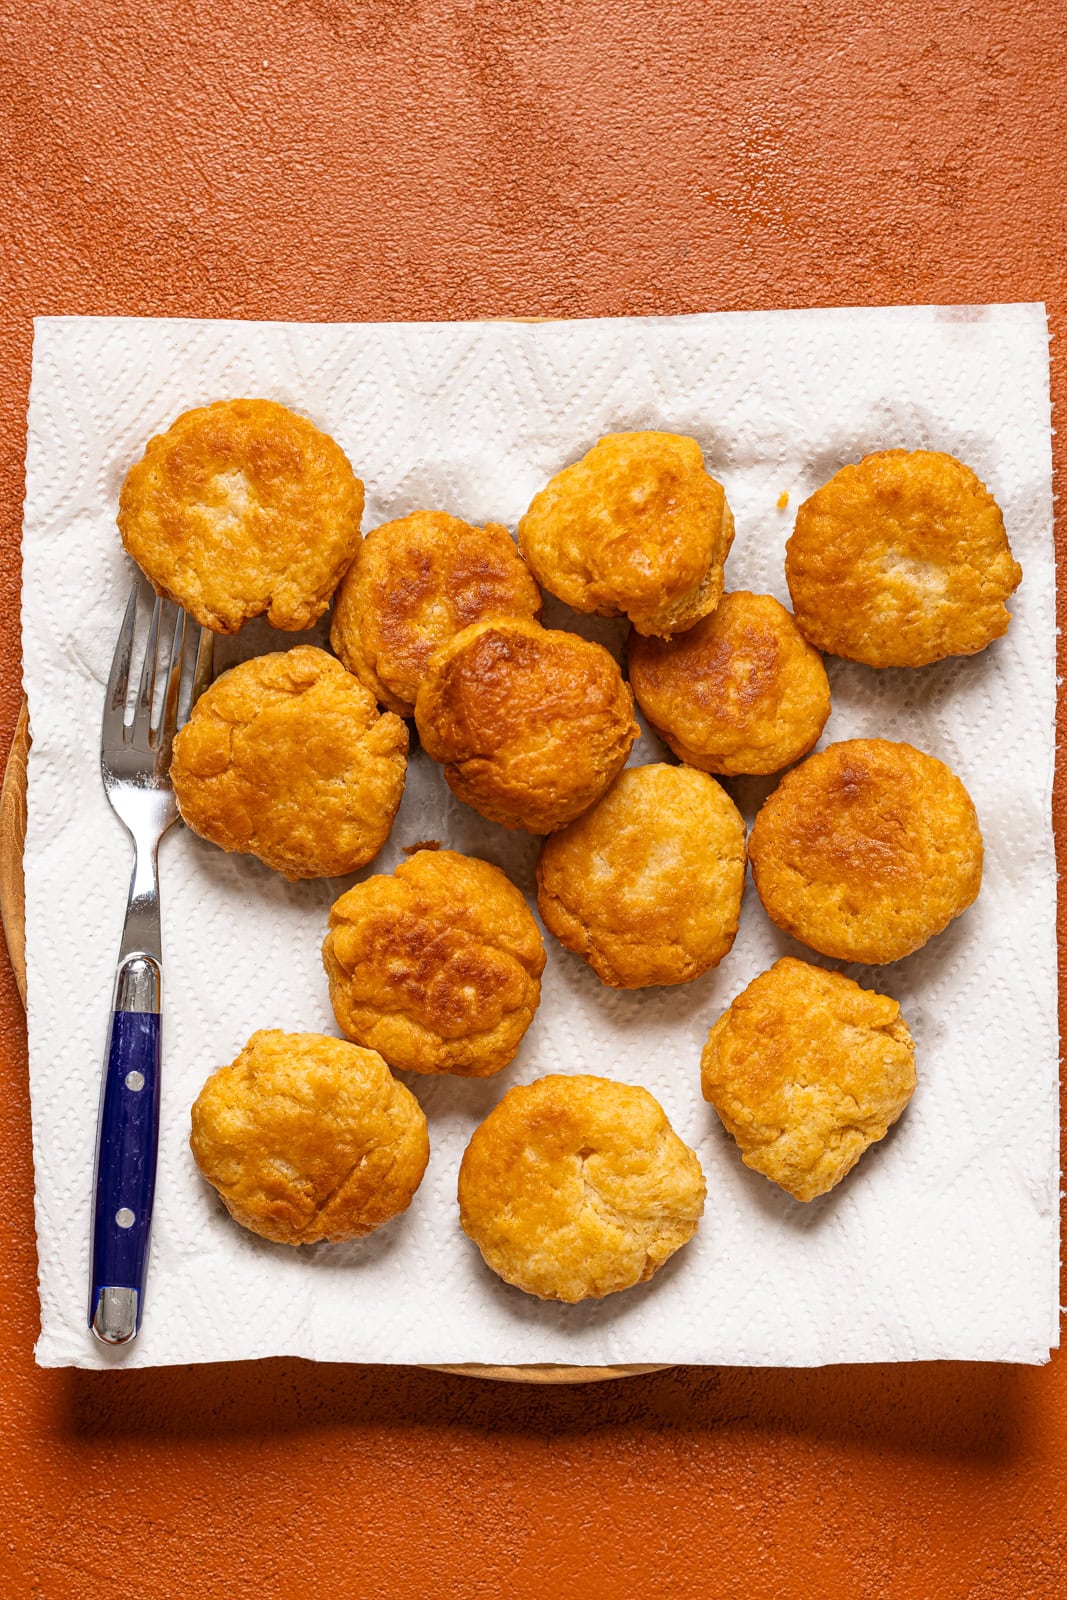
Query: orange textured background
x,y
424,159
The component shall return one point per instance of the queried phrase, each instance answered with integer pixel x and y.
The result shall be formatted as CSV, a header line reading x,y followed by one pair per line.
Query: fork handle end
x,y
125,1173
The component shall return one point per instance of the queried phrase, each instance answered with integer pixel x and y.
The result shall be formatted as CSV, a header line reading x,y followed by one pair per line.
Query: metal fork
x,y
135,766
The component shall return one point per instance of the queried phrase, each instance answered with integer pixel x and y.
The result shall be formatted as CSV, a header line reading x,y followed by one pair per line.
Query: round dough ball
x,y
413,585
307,1138
636,528
437,966
240,508
574,1188
901,559
806,1070
742,692
646,886
866,850
287,757
530,724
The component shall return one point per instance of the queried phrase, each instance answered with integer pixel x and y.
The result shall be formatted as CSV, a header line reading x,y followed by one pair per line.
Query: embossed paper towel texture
x,y
943,1242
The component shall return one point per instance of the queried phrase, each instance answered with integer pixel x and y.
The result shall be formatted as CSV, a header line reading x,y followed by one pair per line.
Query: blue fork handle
x,y
127,1142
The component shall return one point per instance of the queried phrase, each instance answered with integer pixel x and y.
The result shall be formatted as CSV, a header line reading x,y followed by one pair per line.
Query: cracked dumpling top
x,y
307,1137
866,850
414,584
901,559
287,757
576,1187
437,965
742,692
646,886
807,1070
636,528
531,724
241,508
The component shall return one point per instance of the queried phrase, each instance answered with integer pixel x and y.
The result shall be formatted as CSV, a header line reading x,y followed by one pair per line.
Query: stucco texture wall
x,y
427,159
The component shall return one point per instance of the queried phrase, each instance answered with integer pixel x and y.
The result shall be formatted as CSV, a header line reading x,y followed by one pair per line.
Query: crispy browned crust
x,y
901,559
577,1187
530,724
866,850
437,966
307,1137
636,528
240,508
646,886
807,1070
287,757
742,691
414,584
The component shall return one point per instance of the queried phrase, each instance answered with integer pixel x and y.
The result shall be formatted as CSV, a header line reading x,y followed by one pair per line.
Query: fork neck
x,y
141,932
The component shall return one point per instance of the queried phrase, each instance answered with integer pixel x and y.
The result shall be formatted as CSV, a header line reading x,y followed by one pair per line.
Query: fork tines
x,y
172,638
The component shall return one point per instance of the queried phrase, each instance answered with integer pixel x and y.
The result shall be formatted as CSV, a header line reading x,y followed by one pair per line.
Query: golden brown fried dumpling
x,y
287,757
646,886
437,966
742,692
307,1137
901,559
414,584
636,528
577,1187
866,850
242,508
807,1070
529,723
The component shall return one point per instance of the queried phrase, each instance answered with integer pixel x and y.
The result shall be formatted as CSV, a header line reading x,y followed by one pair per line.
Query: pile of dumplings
x,y
573,1186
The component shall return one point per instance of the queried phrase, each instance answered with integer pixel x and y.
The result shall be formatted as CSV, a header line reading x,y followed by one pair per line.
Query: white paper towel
x,y
943,1242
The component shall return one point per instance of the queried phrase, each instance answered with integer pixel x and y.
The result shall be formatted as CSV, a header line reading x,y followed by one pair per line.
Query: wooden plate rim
x,y
13,913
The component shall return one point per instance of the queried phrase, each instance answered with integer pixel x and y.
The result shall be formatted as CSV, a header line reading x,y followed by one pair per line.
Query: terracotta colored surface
x,y
398,159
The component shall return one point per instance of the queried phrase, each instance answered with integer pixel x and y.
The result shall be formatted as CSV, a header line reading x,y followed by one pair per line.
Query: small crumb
x,y
422,844
783,499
